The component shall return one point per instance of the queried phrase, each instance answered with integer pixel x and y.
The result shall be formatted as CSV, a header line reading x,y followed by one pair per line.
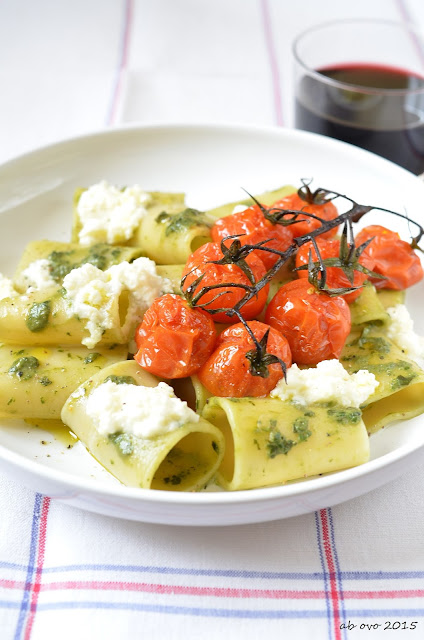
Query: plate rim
x,y
260,494
271,129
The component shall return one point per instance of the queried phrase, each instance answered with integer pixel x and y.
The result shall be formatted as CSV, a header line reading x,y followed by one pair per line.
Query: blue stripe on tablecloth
x,y
225,573
324,572
36,515
220,613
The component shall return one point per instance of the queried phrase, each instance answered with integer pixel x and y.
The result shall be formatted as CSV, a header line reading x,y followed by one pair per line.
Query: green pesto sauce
x,y
277,444
45,381
102,256
370,342
177,478
91,357
179,222
120,379
59,264
99,255
38,316
376,343
388,368
350,415
401,381
124,443
24,368
174,479
300,427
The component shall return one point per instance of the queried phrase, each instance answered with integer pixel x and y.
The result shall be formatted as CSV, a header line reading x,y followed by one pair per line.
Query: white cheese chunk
x,y
401,332
107,214
6,288
329,381
92,295
146,412
37,275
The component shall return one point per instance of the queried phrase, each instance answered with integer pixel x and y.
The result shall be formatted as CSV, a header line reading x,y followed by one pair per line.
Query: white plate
x,y
211,164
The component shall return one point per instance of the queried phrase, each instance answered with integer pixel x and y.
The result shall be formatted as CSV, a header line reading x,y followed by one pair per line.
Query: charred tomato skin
x,y
315,324
254,227
226,373
201,264
306,224
174,340
391,257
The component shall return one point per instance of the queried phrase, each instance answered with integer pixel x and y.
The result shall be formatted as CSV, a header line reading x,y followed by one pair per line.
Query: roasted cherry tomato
x,y
315,324
325,211
173,339
252,223
227,372
336,278
200,263
391,257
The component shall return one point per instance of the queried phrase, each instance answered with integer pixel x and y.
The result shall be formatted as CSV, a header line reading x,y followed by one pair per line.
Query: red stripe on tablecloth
x,y
334,592
39,570
273,61
218,592
123,61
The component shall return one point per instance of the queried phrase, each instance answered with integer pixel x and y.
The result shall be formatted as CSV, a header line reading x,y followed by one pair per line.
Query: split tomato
x,y
173,339
255,228
391,257
315,324
228,371
224,285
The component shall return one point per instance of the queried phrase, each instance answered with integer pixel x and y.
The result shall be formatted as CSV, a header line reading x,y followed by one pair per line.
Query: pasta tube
x,y
166,231
400,393
43,319
169,237
268,441
155,203
93,306
183,458
57,259
36,381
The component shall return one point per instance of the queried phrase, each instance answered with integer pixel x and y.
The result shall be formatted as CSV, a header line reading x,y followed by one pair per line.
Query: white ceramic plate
x,y
211,164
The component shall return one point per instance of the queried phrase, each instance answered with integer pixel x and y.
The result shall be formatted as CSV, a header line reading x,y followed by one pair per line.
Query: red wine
x,y
389,124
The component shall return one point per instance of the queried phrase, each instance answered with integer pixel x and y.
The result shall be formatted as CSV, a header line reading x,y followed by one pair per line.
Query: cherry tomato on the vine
x,y
173,339
391,257
227,372
315,324
336,278
306,224
230,276
252,223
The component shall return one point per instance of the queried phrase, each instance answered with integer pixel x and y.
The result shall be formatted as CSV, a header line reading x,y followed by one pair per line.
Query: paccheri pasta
x,y
253,344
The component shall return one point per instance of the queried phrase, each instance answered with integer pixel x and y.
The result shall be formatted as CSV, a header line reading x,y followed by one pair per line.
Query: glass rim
x,y
405,27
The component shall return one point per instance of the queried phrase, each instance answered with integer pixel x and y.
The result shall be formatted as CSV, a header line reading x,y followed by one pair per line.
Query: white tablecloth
x,y
345,572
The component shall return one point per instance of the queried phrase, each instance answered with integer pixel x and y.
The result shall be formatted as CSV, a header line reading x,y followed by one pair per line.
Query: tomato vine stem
x,y
236,253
